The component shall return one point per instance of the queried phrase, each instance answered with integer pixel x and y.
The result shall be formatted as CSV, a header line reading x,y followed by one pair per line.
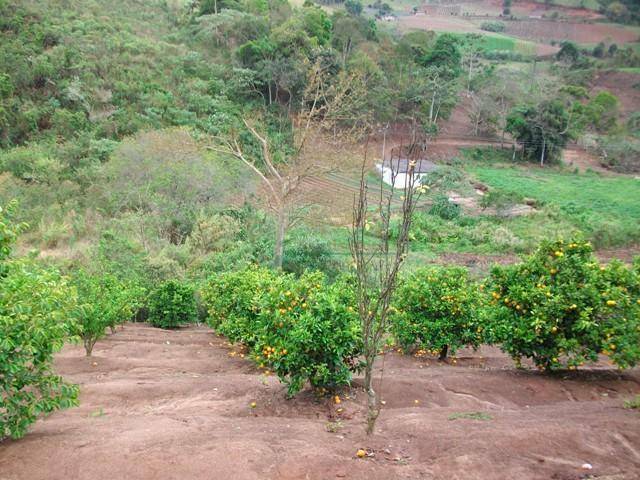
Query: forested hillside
x,y
321,184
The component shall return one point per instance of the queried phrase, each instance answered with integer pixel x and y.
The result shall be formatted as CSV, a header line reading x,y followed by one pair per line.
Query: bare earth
x,y
176,405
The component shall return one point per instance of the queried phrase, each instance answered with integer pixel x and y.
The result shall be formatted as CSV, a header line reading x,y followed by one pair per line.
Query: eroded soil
x,y
157,404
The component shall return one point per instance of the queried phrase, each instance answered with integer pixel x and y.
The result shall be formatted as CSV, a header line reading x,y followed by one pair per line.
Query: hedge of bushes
x,y
559,307
302,328
493,26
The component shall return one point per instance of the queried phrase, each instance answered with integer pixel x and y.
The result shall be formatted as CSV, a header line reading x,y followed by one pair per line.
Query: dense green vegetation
x,y
560,308
604,208
172,304
300,327
36,306
158,153
438,310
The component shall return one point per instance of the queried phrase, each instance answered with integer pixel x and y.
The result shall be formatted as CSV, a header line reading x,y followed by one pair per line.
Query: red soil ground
x,y
547,30
176,405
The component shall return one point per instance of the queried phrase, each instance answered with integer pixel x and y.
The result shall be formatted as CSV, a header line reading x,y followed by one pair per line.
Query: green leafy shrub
x,y
560,308
34,322
445,208
172,304
501,200
104,302
300,327
232,300
309,331
437,309
305,251
493,26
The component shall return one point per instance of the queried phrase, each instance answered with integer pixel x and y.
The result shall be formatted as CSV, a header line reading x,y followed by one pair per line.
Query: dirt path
x,y
176,405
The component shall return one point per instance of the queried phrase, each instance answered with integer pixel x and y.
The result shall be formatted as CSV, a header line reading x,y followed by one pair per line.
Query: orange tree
x,y
560,308
300,327
232,300
35,306
437,309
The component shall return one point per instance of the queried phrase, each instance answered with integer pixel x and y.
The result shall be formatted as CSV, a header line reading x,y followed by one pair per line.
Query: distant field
x,y
607,196
503,42
586,33
588,4
605,209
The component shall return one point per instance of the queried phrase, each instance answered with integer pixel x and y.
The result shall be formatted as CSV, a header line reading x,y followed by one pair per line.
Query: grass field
x,y
589,4
635,70
497,42
603,209
606,209
607,196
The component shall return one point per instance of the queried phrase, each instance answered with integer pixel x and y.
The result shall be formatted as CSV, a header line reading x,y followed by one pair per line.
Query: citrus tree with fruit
x,y
561,308
437,309
301,328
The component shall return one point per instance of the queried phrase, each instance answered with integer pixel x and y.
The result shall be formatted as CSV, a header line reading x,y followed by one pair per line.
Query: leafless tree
x,y
316,152
377,268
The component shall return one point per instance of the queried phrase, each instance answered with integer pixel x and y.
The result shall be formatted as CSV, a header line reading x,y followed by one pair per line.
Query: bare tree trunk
x,y
544,146
281,230
433,101
443,353
377,270
373,409
88,345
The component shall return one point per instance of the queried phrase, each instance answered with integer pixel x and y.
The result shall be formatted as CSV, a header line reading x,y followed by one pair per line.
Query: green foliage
x,y
172,304
307,251
354,7
231,300
8,232
621,11
600,113
542,130
103,302
603,208
500,200
445,208
301,327
561,309
308,332
445,54
568,53
634,403
437,310
493,26
35,306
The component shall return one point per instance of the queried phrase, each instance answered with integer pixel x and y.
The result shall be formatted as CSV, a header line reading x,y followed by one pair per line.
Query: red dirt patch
x,y
547,30
437,23
176,405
